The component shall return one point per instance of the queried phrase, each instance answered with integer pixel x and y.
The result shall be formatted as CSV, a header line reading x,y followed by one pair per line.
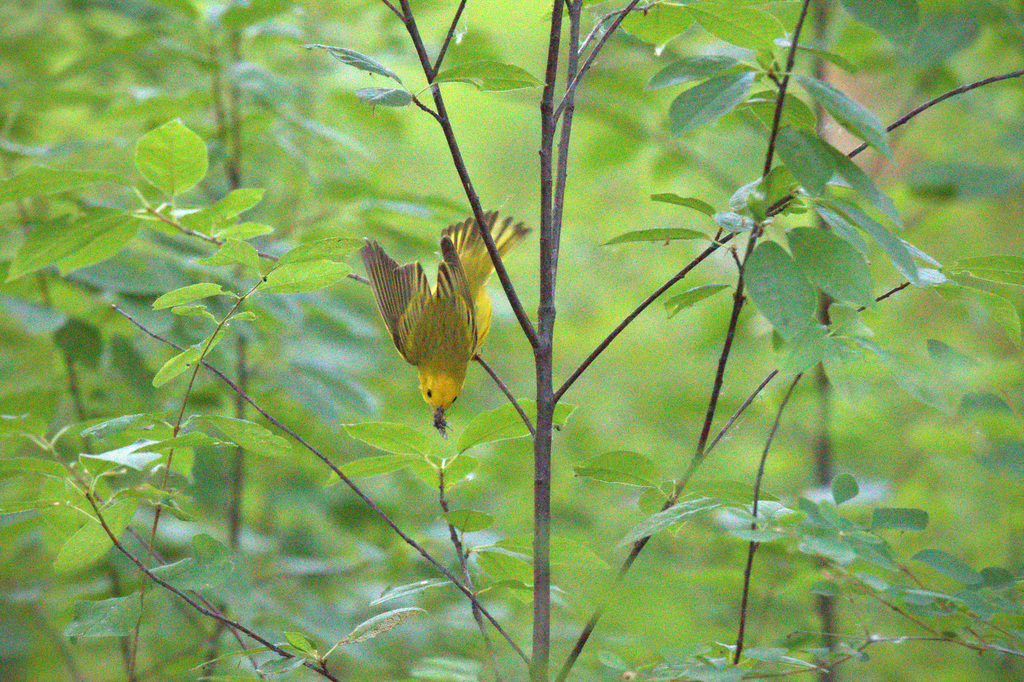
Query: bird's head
x,y
440,389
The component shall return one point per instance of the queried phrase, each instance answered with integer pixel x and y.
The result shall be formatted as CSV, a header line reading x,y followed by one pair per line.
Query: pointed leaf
x,y
780,289
249,436
708,101
741,25
375,466
90,542
381,623
676,514
395,438
844,488
356,60
192,292
691,297
690,69
658,23
115,617
621,466
172,158
848,113
295,278
489,75
895,248
832,265
468,520
658,234
949,566
504,423
385,97
689,202
807,158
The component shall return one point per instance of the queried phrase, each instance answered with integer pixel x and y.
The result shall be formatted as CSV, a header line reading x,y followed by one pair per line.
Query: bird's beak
x,y
439,422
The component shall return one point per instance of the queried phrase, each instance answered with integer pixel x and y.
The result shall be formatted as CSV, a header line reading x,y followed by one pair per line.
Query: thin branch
x,y
345,479
508,394
394,9
467,184
780,97
636,311
448,37
932,102
211,613
742,408
462,554
639,545
752,548
570,89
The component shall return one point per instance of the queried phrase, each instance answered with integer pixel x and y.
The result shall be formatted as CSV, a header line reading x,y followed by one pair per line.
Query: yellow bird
x,y
440,330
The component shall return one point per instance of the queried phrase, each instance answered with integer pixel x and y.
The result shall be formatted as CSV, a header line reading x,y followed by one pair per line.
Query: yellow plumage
x,y
440,330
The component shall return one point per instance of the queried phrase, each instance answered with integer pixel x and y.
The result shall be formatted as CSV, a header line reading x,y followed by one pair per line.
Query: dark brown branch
x,y
780,97
932,102
345,479
752,547
508,394
636,311
467,184
448,38
577,78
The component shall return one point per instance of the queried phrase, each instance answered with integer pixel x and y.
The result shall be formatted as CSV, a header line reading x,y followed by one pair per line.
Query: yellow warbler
x,y
440,330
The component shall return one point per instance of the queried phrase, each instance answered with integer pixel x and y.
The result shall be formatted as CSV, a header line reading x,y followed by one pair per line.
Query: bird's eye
x,y
455,398
430,394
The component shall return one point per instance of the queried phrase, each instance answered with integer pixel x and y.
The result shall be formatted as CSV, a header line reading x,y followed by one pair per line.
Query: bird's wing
x,y
469,244
453,288
402,293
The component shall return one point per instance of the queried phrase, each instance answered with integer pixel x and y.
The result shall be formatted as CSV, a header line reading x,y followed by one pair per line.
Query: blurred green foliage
x,y
165,156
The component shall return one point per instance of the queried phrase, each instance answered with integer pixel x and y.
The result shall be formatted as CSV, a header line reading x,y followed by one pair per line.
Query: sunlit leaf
x,y
356,60
192,292
689,202
395,438
37,181
489,75
380,624
691,297
385,97
690,69
468,520
620,466
172,158
658,234
677,514
251,437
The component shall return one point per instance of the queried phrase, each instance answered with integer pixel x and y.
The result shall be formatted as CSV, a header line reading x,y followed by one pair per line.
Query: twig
x,y
467,184
742,408
570,89
932,102
345,479
508,394
448,37
752,547
462,554
211,613
636,311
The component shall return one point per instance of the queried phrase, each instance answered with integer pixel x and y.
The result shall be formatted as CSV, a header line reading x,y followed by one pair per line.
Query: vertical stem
x,y
542,358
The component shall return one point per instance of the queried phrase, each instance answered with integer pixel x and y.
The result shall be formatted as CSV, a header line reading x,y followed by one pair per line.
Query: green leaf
x,y
504,423
111,427
89,543
899,518
224,211
132,456
302,643
489,75
842,227
564,552
949,566
172,158
844,488
457,469
894,19
708,101
114,617
691,297
395,438
805,350
332,248
381,623
37,181
1007,269
733,222
405,591
506,568
740,25
469,520
385,97
676,514
848,113
356,60
781,290
658,24
807,158
621,466
658,234
295,278
192,292
689,69
689,202
860,182
249,436
375,466
830,57
896,249
81,342
210,566
96,236
178,364
832,265
242,231
235,252
795,113
20,465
